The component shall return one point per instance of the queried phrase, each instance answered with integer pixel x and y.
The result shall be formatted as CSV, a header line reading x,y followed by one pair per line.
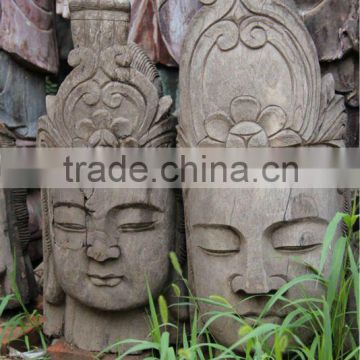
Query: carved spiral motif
x,y
84,57
227,33
102,81
252,32
88,93
112,95
115,61
92,94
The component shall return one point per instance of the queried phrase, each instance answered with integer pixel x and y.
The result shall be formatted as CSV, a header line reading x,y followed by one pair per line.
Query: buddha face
x,y
108,244
246,242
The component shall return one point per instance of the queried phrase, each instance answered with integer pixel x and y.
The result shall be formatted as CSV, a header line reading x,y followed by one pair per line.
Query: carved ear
x,y
54,296
52,290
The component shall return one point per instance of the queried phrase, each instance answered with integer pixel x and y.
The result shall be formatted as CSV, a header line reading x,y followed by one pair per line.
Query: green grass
x,y
333,324
24,319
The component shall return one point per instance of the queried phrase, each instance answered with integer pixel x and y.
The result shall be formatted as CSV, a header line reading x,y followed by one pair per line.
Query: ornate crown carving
x,y
250,77
113,97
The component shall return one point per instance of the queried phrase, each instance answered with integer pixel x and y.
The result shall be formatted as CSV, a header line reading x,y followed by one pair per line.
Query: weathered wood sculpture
x,y
143,29
27,32
174,17
28,50
101,246
334,27
250,77
15,265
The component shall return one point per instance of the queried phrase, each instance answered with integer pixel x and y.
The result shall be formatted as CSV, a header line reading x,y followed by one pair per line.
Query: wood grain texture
x,y
27,32
14,237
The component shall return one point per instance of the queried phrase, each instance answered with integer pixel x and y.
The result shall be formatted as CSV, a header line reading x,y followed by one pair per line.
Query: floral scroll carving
x,y
102,130
267,89
249,126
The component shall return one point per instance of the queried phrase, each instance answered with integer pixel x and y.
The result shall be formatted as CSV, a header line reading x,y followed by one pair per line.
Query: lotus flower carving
x,y
102,130
249,126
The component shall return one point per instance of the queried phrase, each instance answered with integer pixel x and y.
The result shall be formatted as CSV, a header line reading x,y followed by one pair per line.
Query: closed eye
x,y
70,227
219,252
299,236
216,240
298,248
137,227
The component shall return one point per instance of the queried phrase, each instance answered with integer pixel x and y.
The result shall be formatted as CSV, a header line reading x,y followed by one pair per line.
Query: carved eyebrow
x,y
297,220
212,225
216,226
130,205
317,219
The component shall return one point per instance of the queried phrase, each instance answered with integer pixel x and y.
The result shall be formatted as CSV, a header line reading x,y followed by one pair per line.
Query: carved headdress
x,y
113,97
250,77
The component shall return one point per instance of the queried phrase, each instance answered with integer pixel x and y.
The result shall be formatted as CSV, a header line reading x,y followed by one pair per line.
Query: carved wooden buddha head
x,y
250,77
102,246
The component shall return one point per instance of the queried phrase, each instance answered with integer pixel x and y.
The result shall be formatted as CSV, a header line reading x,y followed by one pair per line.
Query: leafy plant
x,y
24,319
333,324
51,87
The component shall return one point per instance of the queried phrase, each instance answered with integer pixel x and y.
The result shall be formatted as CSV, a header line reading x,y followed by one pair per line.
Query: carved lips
x,y
110,280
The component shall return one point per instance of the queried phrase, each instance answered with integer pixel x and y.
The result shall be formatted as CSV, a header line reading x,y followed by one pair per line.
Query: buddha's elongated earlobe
x,y
53,292
47,139
54,297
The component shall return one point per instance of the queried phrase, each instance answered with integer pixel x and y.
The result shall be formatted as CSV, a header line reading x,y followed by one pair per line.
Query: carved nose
x,y
256,286
99,249
250,286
